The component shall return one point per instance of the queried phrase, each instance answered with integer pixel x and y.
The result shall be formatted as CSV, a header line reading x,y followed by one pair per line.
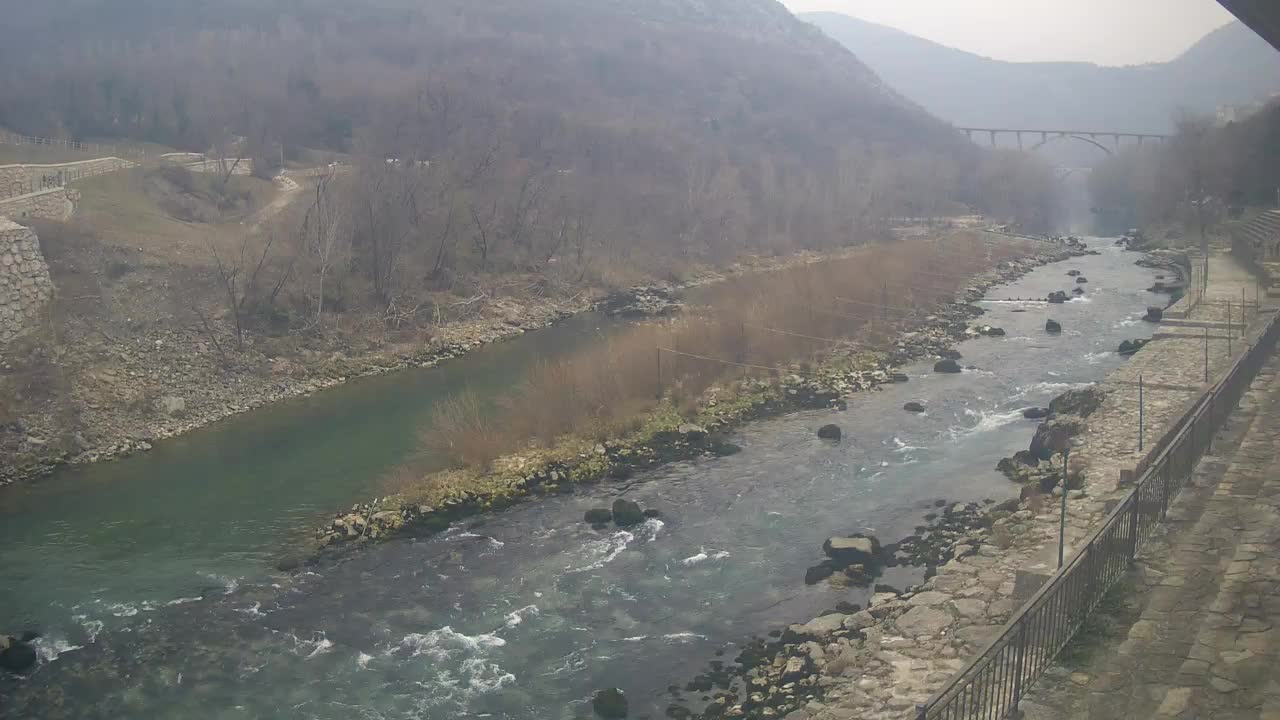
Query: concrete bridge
x,y
1096,138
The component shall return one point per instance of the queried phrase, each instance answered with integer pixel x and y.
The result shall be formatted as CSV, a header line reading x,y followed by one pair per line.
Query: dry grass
x,y
750,326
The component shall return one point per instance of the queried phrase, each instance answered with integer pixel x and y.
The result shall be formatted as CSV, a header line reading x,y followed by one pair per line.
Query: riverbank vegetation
x,y
754,327
1205,175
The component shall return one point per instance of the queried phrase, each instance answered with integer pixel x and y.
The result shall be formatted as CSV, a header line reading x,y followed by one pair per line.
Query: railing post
x,y
1133,523
1020,663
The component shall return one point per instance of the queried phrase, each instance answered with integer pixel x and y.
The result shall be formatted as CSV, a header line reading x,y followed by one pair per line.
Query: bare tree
x,y
323,235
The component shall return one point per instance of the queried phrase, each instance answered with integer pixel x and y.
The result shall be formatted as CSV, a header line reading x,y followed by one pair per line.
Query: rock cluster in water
x,y
641,302
792,673
1039,468
17,655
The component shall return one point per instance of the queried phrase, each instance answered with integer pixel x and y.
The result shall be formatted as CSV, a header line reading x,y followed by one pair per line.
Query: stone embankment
x,y
25,288
56,203
879,663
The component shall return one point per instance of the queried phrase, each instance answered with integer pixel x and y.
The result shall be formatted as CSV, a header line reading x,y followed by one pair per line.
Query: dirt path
x,y
287,191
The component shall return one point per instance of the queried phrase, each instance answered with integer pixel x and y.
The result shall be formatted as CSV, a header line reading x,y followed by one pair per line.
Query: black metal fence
x,y
991,685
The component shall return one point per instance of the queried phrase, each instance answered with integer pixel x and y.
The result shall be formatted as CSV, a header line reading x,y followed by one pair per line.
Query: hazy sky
x,y
1108,32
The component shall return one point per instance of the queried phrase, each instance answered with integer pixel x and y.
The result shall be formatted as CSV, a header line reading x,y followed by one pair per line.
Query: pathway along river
x,y
524,613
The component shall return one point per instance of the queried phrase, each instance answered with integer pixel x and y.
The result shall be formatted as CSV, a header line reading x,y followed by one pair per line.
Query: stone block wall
x,y
51,204
25,287
25,179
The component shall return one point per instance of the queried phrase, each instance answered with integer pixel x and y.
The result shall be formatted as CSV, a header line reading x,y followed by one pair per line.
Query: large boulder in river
x,y
829,432
1057,298
609,703
1082,280
1052,327
598,516
856,550
627,513
16,654
1073,273
1035,413
914,407
950,367
1154,315
818,573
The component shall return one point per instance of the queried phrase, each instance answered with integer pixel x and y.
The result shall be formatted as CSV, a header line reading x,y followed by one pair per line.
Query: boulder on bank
x,y
914,407
598,516
1154,315
1053,327
692,433
830,432
1083,402
1035,413
627,513
1130,347
949,367
609,703
1054,436
16,654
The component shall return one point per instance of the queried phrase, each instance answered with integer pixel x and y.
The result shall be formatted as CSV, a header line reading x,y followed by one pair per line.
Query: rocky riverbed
x,y
666,436
531,611
880,662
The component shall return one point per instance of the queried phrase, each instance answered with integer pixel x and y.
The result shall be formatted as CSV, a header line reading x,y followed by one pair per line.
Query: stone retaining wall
x,y
52,204
25,286
26,179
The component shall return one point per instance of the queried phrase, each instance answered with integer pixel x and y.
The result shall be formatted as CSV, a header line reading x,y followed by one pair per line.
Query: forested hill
x,y
1229,66
691,127
178,71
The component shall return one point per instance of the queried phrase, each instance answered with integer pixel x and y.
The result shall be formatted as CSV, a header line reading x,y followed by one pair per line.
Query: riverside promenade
x,y
928,636
1193,632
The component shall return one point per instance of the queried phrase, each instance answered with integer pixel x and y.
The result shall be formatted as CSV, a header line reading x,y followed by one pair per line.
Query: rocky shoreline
x,y
666,436
878,662
191,389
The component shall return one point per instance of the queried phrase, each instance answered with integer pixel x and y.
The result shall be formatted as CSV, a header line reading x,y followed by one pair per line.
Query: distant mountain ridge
x,y
1228,66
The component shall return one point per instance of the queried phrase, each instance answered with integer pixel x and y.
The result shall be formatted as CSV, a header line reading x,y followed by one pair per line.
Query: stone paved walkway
x,y
1205,643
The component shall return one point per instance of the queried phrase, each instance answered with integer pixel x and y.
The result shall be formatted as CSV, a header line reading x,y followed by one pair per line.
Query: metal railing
x,y
992,684
60,175
7,138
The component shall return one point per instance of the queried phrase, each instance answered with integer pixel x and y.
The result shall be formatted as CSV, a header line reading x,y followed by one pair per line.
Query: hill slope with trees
x,y
1229,66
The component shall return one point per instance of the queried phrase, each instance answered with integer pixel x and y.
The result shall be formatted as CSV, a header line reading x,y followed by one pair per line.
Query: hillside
x,y
1231,65
708,126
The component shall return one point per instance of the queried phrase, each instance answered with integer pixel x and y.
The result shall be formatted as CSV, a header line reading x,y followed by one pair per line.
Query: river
x,y
524,613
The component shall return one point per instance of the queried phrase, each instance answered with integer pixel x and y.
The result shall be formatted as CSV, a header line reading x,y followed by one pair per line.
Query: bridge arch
x,y
1081,138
